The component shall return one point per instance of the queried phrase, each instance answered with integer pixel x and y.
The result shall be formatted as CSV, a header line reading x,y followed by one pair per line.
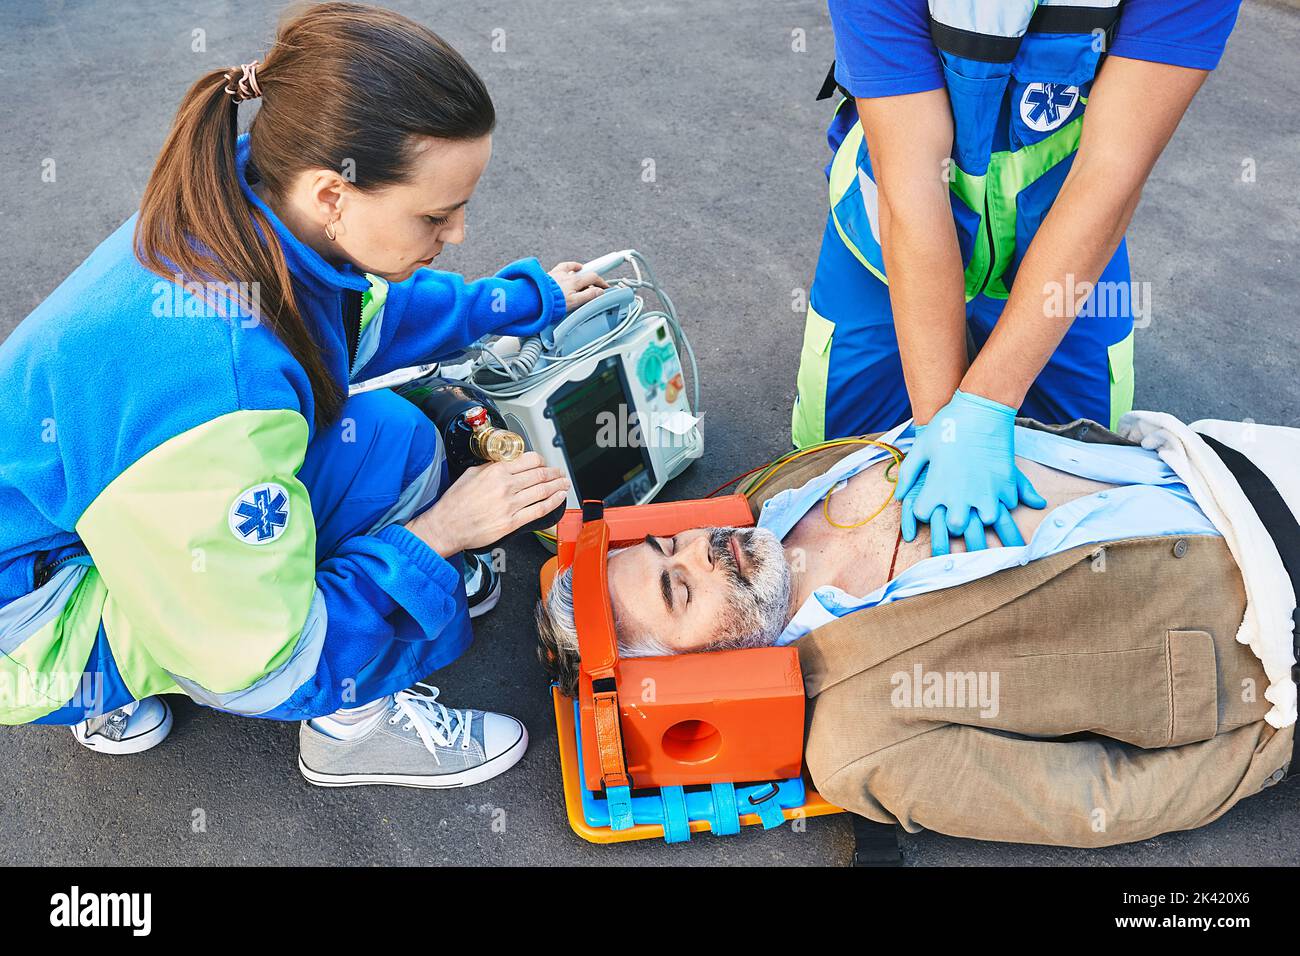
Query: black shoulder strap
x,y
1282,527
875,844
830,85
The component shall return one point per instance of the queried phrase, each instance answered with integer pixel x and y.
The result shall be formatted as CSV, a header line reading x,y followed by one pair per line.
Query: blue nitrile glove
x,y
961,475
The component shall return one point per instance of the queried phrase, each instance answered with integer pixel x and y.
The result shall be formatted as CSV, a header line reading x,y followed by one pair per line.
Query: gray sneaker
x,y
417,742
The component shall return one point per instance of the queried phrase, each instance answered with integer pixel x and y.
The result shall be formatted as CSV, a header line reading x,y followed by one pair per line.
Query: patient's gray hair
x,y
557,633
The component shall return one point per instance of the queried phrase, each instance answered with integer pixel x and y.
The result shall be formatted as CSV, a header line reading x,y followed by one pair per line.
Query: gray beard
x,y
758,606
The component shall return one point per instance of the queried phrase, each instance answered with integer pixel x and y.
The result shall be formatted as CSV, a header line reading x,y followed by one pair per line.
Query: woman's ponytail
x,y
196,226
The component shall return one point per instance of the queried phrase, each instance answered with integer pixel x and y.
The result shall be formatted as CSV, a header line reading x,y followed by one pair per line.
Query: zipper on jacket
x,y
47,572
352,325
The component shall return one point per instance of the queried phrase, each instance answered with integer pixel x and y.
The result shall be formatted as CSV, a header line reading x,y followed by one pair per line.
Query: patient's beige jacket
x,y
1124,706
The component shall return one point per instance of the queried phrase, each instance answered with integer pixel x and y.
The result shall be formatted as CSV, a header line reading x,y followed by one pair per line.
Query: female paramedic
x,y
192,503
987,165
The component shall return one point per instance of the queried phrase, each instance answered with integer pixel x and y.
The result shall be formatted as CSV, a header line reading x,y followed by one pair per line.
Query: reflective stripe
x,y
870,202
844,167
968,187
978,30
808,418
278,686
1120,358
48,636
853,248
1020,168
24,616
1006,18
848,203
420,492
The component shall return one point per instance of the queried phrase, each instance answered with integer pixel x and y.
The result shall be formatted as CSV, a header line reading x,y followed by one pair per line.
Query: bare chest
x,y
835,543
834,546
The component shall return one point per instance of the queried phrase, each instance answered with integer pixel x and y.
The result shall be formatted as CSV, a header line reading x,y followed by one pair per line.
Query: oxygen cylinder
x,y
473,430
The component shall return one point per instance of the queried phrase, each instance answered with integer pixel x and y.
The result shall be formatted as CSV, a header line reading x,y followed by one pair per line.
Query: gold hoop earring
x,y
330,232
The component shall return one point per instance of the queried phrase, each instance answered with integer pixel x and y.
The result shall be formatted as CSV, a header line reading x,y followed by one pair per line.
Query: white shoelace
x,y
437,725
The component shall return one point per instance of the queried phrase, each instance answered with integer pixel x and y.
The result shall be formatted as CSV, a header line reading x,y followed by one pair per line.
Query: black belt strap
x,y
1047,18
1283,528
875,844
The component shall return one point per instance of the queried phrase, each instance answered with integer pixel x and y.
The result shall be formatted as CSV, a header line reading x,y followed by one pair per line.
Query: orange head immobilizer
x,y
723,716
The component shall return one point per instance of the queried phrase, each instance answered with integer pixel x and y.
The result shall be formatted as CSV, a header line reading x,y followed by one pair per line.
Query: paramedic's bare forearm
x,y
1134,110
909,138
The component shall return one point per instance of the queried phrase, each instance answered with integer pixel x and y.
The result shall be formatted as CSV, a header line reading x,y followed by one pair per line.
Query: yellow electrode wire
x,y
771,468
889,496
780,463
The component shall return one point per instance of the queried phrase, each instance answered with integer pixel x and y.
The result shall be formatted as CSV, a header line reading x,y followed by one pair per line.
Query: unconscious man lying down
x,y
1120,676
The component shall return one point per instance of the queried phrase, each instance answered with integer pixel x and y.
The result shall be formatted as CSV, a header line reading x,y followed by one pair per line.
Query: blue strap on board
x,y
726,817
677,825
619,802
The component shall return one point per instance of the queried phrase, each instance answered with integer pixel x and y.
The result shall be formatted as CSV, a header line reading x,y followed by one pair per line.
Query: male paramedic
x,y
1124,674
987,160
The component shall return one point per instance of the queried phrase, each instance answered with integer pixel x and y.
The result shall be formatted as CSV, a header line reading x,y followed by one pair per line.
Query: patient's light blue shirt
x,y
1151,501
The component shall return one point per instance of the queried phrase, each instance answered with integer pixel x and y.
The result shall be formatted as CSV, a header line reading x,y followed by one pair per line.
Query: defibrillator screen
x,y
596,424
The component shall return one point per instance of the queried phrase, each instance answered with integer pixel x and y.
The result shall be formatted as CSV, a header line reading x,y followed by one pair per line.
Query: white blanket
x,y
1270,598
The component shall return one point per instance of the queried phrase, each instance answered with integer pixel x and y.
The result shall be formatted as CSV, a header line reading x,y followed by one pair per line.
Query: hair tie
x,y
246,88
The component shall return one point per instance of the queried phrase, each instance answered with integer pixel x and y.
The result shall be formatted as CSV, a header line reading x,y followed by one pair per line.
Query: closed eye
x,y
685,586
437,220
665,580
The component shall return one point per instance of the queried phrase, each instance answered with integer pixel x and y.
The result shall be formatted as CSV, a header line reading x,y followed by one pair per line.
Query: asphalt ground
x,y
713,92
